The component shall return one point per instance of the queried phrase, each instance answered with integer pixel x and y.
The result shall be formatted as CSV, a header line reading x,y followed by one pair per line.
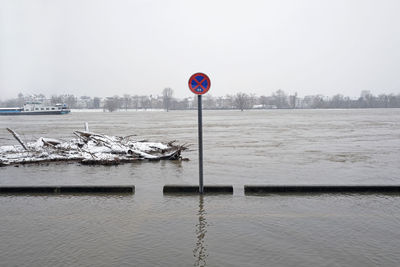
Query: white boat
x,y
36,108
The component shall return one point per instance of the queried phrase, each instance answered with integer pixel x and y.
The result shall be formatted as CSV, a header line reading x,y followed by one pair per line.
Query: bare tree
x,y
56,99
252,100
70,100
265,101
241,101
111,103
145,102
167,98
135,100
318,102
126,100
280,99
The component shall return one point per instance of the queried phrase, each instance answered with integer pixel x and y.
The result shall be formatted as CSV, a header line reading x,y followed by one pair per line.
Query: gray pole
x,y
200,126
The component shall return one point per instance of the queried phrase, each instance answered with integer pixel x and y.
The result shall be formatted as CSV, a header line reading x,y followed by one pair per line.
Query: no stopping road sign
x,y
199,83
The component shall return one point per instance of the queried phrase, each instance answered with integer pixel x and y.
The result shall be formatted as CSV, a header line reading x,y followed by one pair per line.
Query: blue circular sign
x,y
199,83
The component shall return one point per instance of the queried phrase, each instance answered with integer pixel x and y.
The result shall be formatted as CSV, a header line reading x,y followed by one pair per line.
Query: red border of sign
x,y
205,90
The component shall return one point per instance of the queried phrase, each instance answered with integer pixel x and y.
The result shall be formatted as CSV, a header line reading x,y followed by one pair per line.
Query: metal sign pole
x,y
199,84
200,127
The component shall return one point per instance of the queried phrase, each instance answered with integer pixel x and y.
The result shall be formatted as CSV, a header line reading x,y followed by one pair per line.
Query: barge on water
x,y
36,108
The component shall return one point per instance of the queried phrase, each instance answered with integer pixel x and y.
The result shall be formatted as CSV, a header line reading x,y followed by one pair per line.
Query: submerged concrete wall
x,y
208,189
194,189
319,189
68,189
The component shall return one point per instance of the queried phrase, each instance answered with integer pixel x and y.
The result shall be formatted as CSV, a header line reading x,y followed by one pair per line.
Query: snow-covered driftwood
x,y
88,148
16,136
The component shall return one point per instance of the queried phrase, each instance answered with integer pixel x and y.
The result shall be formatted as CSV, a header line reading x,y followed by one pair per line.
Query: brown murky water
x,y
253,147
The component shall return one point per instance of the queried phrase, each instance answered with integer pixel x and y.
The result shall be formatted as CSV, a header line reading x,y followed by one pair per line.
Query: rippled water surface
x,y
253,147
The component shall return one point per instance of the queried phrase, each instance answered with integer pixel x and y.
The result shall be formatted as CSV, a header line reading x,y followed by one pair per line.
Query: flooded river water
x,y
251,147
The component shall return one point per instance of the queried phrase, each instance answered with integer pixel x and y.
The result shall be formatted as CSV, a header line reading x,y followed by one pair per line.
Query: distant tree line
x,y
240,101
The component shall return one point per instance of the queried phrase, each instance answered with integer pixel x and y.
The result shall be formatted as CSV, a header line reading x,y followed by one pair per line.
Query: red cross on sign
x,y
199,83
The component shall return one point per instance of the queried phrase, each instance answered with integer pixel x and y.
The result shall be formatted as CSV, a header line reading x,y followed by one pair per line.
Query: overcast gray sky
x,y
104,47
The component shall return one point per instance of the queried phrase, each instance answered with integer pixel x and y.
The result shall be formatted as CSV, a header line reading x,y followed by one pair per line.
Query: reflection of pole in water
x,y
200,252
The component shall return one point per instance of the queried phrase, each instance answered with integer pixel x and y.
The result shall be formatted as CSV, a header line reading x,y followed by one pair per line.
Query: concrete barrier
x,y
320,189
194,189
68,189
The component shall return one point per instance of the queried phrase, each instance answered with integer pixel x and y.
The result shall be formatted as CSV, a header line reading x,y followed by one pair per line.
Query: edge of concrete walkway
x,y
68,189
194,189
320,189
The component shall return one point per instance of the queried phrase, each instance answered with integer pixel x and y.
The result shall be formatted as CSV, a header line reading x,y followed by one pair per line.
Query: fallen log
x,y
16,136
88,148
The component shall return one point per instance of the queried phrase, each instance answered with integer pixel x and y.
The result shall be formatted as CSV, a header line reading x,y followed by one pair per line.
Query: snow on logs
x,y
88,148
